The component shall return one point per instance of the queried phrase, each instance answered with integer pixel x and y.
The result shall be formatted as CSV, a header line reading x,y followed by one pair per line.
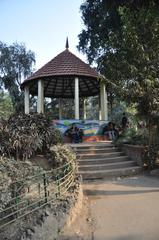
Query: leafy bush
x,y
133,136
60,155
151,155
22,135
56,137
13,171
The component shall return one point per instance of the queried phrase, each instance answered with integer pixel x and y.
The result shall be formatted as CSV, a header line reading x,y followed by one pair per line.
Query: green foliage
x,y
6,106
133,136
21,136
60,155
117,113
56,136
16,63
151,155
152,151
67,106
141,40
123,38
13,171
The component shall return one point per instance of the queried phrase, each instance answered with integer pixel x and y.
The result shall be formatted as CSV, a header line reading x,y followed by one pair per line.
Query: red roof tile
x,y
64,63
59,73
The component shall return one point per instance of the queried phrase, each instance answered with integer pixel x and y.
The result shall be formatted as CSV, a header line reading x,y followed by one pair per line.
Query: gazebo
x,y
65,76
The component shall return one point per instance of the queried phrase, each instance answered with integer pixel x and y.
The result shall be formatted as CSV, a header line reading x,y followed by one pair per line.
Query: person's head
x,y
73,125
123,113
110,124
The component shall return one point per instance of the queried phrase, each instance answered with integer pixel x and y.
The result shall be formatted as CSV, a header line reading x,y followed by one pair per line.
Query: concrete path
x,y
123,209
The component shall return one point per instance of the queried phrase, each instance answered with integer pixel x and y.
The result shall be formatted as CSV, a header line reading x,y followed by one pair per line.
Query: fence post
x,y
45,187
58,185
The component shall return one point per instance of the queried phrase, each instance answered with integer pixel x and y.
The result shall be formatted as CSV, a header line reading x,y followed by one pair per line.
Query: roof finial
x,y
67,44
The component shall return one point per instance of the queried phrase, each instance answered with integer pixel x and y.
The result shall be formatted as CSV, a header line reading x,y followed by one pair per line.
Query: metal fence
x,y
34,192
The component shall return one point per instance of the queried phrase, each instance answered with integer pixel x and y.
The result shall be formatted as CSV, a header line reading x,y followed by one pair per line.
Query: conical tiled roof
x,y
59,74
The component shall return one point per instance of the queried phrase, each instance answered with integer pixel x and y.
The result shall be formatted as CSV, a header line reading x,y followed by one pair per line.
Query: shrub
x,y
56,137
133,136
13,171
60,155
21,136
151,155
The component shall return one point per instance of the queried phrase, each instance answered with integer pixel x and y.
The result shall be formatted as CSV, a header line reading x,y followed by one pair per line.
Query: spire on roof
x,y
67,44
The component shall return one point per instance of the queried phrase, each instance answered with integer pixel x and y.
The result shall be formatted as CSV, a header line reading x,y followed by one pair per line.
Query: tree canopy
x,y
16,63
6,106
123,38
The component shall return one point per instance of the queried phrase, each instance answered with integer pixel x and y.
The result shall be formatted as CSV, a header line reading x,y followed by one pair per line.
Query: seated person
x,y
80,134
105,132
110,131
68,133
116,131
74,133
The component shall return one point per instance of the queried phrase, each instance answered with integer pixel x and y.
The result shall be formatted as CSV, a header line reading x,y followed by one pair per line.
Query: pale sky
x,y
42,25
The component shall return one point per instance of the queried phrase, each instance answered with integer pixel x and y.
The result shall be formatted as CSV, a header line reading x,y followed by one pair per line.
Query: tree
x,y
16,63
123,38
6,106
140,32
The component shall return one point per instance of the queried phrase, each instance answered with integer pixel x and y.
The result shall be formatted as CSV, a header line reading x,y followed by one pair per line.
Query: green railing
x,y
34,192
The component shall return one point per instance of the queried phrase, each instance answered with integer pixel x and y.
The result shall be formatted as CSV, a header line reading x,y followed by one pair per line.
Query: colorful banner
x,y
89,127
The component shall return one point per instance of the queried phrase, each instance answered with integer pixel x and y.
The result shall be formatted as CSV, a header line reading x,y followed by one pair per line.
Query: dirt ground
x,y
122,209
82,227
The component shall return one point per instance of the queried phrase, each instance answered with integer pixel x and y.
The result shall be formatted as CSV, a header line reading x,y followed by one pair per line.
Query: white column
x,y
40,107
60,112
26,99
100,116
99,100
103,102
76,98
84,109
106,105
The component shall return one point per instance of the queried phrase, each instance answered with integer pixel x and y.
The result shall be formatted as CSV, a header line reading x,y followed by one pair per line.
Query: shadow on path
x,y
89,192
142,180
125,237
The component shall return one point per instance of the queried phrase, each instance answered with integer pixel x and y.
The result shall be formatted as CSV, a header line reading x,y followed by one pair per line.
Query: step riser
x,y
95,155
92,144
96,151
101,156
111,174
105,167
101,161
77,147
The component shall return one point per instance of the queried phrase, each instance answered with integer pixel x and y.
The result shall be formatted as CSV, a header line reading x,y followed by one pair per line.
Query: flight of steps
x,y
102,160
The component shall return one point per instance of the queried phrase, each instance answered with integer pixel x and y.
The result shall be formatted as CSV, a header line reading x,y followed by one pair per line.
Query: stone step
x,y
95,152
100,156
102,160
91,147
95,167
120,172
